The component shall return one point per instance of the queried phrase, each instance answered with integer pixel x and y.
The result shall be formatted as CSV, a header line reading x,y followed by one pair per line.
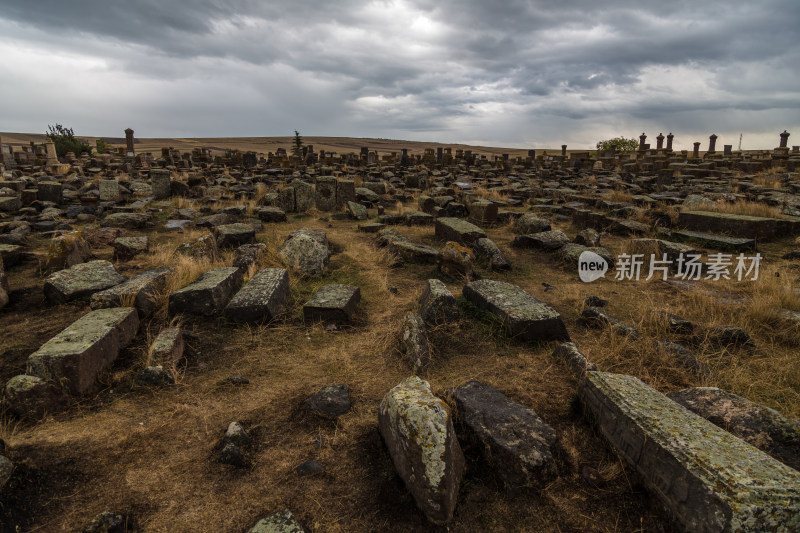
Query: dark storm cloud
x,y
516,72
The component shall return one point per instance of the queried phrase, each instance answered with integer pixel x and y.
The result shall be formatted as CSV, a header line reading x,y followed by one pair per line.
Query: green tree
x,y
299,150
102,146
65,141
621,145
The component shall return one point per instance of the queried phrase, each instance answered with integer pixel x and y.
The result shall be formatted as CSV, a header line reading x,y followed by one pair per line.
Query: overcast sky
x,y
536,73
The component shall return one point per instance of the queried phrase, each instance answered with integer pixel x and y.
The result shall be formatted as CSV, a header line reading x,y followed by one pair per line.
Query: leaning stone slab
x,y
437,304
487,248
83,349
417,428
707,479
332,303
81,280
262,298
717,242
280,522
513,439
208,295
762,427
523,315
167,347
414,342
139,291
460,231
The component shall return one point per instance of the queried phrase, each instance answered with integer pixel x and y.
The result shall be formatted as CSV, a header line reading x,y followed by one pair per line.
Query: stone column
x,y
129,142
532,154
642,139
727,149
52,158
696,152
712,143
563,150
669,141
439,155
784,139
364,153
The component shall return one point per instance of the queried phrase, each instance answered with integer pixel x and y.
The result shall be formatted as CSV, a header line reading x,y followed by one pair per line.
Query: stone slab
x,y
707,479
83,279
332,303
460,231
208,295
262,298
140,291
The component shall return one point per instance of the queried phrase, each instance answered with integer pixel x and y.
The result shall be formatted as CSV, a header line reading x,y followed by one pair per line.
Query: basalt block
x,y
523,315
460,231
75,356
332,303
708,479
262,298
140,291
81,280
208,295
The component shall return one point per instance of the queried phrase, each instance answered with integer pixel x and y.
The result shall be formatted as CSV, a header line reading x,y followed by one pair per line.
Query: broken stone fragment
x,y
414,342
417,429
31,397
572,356
331,402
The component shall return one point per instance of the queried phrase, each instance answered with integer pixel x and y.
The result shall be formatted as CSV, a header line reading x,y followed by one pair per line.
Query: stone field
x,y
206,339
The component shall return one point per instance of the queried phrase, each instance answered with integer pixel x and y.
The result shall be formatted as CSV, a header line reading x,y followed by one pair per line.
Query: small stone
x,y
595,301
237,434
231,455
588,237
108,522
31,397
728,335
330,402
154,376
237,380
309,468
280,522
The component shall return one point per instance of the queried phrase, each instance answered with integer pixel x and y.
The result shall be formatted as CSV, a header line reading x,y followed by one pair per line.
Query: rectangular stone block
x,y
49,191
160,183
332,303
325,193
262,298
460,231
739,225
208,295
76,355
345,192
707,479
522,314
139,292
109,191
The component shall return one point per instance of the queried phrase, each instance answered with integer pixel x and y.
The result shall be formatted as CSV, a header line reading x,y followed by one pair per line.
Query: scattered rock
x,y
31,397
331,402
231,455
154,376
309,468
437,304
414,342
455,260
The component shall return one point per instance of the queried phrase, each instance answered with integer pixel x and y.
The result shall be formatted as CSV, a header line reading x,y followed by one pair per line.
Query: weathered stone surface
x,y
270,214
762,427
357,211
86,347
126,220
154,376
487,248
483,212
263,297
437,304
414,342
208,295
11,254
303,195
572,356
530,223
10,204
50,191
66,251
129,247
109,190
139,291
167,347
417,428
708,479
306,251
204,247
571,253
455,260
345,192
232,235
81,280
545,240
522,314
596,317
285,200
417,218
460,231
331,402
332,303
6,469
684,357
248,255
108,522
280,522
513,439
750,227
588,237
31,397
717,242
325,193
160,183
404,249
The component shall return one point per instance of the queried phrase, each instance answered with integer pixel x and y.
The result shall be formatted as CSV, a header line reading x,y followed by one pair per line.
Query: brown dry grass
x,y
742,207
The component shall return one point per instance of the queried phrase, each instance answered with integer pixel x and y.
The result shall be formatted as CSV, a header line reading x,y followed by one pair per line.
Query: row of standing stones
x,y
708,479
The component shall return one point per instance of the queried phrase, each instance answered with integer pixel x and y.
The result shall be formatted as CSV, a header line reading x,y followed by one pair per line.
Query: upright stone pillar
x,y
642,139
669,141
130,152
439,155
784,139
727,149
52,157
563,150
712,143
696,152
660,141
160,183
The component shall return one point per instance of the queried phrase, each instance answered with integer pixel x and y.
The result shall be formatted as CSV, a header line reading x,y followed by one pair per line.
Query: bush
x,y
621,145
102,146
65,141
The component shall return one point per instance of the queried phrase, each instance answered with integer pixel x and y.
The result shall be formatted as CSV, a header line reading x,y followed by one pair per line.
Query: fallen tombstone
x,y
522,314
83,349
262,298
167,347
83,279
204,248
455,260
129,247
66,251
417,429
707,479
334,303
516,443
460,231
233,235
574,359
437,304
545,240
125,220
139,292
530,223
485,247
208,295
414,342
306,251
248,255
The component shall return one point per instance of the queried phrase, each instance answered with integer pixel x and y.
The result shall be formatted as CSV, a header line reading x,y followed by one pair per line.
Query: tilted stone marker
x,y
262,298
417,428
522,314
460,231
514,440
140,291
160,182
208,295
332,303
437,304
167,347
84,348
414,342
708,479
81,280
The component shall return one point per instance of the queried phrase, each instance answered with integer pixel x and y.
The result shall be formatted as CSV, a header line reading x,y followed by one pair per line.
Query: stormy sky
x,y
528,74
